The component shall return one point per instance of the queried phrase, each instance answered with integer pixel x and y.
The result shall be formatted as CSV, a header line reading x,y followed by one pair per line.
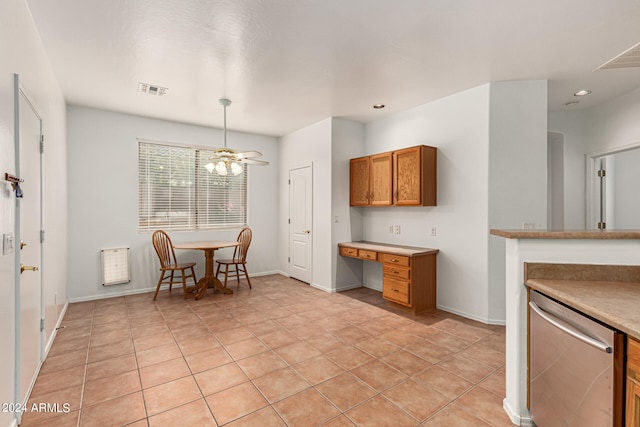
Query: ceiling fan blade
x,y
248,154
253,162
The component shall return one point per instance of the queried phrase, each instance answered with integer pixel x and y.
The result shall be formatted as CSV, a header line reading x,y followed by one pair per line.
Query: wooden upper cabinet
x,y
414,176
359,181
404,177
381,180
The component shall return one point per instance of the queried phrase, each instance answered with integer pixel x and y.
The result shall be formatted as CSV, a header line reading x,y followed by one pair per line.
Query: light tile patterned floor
x,y
282,354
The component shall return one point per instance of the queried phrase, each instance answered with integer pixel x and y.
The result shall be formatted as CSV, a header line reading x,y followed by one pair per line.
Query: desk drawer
x,y
396,290
395,259
370,255
352,252
396,271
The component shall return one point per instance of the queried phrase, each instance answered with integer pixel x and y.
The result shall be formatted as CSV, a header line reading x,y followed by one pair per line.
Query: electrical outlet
x,y
433,230
397,229
528,225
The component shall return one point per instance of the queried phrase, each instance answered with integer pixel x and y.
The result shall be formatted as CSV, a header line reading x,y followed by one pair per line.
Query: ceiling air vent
x,y
630,58
152,89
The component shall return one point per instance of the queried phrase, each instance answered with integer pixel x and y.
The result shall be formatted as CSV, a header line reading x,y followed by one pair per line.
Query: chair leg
x,y
159,283
184,284
244,268
226,274
171,280
218,270
193,275
237,275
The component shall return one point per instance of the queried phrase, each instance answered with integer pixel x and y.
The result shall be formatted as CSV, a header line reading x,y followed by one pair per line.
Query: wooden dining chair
x,y
239,260
169,265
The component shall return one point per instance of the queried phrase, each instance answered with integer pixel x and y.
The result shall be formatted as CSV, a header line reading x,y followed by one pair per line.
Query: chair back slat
x,y
164,248
244,238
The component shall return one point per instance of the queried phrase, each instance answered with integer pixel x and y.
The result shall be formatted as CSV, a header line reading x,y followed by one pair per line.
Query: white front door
x,y
300,223
29,246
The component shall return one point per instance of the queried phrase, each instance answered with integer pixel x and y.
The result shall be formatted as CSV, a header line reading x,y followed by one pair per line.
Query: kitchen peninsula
x,y
567,263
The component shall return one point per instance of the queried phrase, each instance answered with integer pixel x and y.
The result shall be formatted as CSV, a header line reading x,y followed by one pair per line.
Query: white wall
x,y
517,172
309,146
103,196
609,127
459,126
572,125
21,52
347,139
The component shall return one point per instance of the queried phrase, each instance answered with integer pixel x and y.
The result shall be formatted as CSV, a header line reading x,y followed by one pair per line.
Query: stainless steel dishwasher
x,y
575,367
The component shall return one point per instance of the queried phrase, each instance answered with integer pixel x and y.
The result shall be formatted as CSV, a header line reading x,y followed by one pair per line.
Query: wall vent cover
x,y
152,89
115,266
630,58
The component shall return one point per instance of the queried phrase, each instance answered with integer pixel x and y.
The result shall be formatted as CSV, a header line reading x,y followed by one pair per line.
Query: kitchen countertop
x,y
615,303
384,247
567,234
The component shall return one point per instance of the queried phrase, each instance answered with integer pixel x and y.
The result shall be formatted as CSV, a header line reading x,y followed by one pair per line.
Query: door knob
x,y
24,268
307,231
22,244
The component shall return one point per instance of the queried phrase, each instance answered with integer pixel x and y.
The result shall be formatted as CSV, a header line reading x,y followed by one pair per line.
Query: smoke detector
x,y
630,58
152,89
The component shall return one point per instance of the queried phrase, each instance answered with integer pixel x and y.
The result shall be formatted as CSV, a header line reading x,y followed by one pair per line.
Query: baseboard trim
x,y
517,419
498,322
348,287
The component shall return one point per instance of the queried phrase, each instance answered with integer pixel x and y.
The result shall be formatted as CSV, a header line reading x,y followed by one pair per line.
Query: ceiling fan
x,y
226,158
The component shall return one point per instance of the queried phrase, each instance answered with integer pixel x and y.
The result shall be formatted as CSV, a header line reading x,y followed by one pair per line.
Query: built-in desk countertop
x,y
408,273
389,249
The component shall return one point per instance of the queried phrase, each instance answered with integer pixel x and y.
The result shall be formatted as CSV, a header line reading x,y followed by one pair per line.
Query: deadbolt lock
x,y
24,268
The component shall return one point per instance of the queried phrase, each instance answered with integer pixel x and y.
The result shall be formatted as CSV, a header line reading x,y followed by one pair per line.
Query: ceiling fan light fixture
x,y
236,169
226,158
221,168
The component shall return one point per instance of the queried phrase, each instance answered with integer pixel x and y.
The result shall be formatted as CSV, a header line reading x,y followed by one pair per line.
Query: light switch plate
x,y
8,243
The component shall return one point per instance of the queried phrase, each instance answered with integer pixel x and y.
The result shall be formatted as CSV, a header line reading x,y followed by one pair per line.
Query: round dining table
x,y
209,280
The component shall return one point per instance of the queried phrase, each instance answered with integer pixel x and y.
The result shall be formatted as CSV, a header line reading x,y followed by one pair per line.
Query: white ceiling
x,y
286,64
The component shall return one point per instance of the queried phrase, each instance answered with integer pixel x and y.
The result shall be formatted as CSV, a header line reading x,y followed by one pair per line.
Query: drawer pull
x,y
396,290
394,260
395,271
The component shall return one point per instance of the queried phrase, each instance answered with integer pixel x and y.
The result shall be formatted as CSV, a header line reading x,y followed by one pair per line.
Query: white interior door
x,y
29,246
300,223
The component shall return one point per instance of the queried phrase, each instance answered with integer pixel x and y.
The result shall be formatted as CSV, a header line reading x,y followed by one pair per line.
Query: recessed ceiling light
x,y
571,103
583,92
378,106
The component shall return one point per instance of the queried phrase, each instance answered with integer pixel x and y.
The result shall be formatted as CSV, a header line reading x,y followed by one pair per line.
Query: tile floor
x,y
281,354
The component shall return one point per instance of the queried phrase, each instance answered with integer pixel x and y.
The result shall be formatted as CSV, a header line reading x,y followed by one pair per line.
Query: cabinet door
x,y
408,176
381,179
415,176
359,181
632,412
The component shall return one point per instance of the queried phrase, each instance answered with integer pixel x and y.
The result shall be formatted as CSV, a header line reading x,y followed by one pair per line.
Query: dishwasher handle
x,y
569,330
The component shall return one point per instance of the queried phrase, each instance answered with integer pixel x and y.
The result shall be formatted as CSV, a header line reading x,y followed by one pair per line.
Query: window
x,y
176,192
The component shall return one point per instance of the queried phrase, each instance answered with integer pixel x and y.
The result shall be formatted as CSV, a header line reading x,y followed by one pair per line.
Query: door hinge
x,y
41,144
41,236
602,173
602,226
289,182
42,324
289,259
288,220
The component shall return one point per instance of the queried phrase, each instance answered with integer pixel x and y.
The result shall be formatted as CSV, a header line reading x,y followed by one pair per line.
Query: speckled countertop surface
x,y
568,234
396,249
615,303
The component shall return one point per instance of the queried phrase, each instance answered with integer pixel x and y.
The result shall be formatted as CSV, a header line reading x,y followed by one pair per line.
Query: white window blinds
x,y
176,192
